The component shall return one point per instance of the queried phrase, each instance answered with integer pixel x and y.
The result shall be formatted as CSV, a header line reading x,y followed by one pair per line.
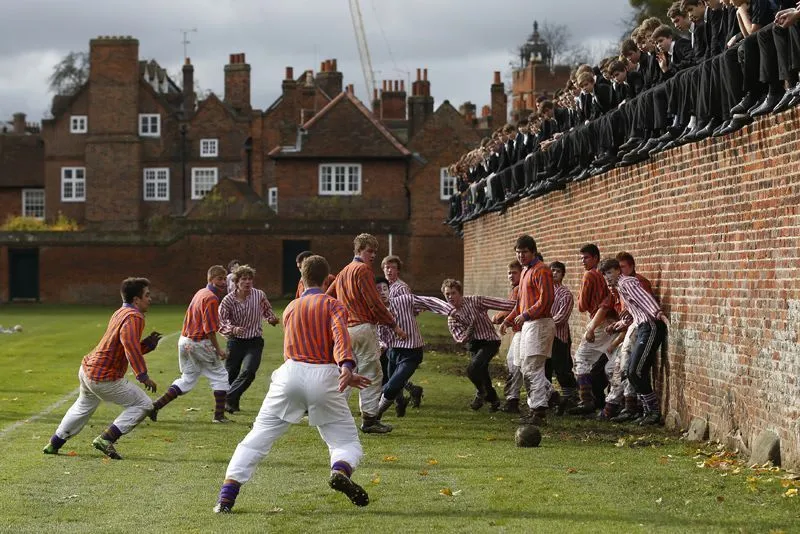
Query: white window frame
x,y
209,148
26,194
146,125
78,124
196,172
272,198
155,176
446,183
329,175
74,181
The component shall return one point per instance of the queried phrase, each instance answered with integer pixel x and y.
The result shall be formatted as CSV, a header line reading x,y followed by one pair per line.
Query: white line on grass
x,y
63,400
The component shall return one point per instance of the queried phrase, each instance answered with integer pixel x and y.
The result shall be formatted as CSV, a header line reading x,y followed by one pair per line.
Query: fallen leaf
x,y
423,473
499,479
68,473
457,492
106,460
620,442
169,440
74,496
390,458
663,460
72,453
491,438
26,371
446,491
784,483
720,498
275,510
433,461
792,492
376,479
462,456
659,500
191,410
571,470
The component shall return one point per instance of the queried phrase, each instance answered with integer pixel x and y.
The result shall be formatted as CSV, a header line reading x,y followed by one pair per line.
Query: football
x,y
18,328
528,436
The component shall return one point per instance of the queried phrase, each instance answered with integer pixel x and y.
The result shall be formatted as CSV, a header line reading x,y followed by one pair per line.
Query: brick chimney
x,y
499,102
237,83
420,105
393,100
189,96
329,79
19,123
469,111
376,103
114,85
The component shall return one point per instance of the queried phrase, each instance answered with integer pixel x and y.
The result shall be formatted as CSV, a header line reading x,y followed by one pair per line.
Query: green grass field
x,y
444,467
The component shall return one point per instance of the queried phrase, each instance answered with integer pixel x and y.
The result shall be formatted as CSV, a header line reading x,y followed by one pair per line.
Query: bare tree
x,y
558,38
70,73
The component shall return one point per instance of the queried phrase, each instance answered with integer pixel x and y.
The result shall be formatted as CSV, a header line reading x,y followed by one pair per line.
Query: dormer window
x,y
78,124
149,125
209,148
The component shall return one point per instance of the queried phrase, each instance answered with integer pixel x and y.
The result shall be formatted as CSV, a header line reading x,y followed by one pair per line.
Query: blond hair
x,y
364,241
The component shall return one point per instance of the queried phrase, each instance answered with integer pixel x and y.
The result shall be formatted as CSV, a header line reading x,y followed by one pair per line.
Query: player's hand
x,y
663,318
400,333
348,378
503,328
149,385
221,354
152,340
237,331
589,336
273,321
518,320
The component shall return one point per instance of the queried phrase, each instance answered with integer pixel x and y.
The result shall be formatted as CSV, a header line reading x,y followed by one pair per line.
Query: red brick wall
x,y
716,228
10,203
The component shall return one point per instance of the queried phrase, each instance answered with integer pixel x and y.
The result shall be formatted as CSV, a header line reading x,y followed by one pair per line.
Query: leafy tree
x,y
70,73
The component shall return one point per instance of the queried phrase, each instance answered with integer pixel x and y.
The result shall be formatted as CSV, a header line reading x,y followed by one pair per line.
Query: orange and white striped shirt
x,y
536,293
355,288
315,330
594,291
325,285
120,344
202,316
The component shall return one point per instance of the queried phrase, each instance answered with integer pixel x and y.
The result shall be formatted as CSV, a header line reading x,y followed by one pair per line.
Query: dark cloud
x,y
460,42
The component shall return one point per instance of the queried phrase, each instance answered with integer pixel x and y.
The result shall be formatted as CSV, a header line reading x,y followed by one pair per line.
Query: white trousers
x,y
295,388
514,381
621,387
588,353
536,346
367,354
136,402
196,359
539,388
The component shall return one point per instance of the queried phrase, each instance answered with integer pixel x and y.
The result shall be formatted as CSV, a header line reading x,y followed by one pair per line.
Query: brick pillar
x,y
237,83
329,79
499,102
189,96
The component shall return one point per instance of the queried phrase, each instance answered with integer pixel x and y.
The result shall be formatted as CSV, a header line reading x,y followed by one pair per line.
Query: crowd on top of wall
x,y
720,65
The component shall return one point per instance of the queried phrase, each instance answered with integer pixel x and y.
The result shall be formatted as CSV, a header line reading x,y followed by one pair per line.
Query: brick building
x,y
21,169
139,162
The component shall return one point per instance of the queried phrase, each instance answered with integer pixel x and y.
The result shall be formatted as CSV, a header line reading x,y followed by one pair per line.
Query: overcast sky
x,y
461,42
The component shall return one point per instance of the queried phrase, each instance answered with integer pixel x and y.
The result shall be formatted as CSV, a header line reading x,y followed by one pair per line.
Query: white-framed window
x,y
73,184
149,124
209,148
447,184
156,184
272,198
203,180
340,179
78,124
33,203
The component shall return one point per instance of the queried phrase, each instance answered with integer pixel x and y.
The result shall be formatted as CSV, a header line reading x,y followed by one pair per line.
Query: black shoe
x,y
722,127
661,147
223,508
585,175
706,131
554,400
746,103
477,402
769,104
533,419
400,406
415,396
581,409
510,406
756,105
785,102
603,159
649,145
624,416
652,418
565,404
494,406
737,123
231,409
341,482
631,143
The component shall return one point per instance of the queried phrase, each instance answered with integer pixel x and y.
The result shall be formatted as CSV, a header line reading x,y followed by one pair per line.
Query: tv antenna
x,y
186,41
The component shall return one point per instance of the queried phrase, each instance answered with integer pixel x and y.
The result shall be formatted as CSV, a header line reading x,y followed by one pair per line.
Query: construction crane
x,y
363,49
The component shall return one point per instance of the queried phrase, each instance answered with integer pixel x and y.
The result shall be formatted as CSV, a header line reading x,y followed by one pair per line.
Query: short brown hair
x,y
608,264
628,46
627,258
364,241
616,66
450,283
314,270
133,287
676,10
584,77
515,265
243,271
216,270
663,31
302,256
392,259
232,263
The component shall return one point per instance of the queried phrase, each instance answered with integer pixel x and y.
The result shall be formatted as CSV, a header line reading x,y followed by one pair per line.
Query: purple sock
x,y
57,442
344,467
112,433
228,492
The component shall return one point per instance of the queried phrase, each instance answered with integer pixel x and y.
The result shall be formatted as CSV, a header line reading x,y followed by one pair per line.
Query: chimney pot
x,y
374,94
19,123
396,86
403,85
232,59
425,74
187,61
289,73
333,65
497,76
419,74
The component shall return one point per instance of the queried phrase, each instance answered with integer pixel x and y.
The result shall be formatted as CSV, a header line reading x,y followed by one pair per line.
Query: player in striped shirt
x,y
240,315
318,369
532,312
560,361
102,374
404,355
651,326
596,342
391,266
471,325
299,262
513,385
355,288
232,266
199,353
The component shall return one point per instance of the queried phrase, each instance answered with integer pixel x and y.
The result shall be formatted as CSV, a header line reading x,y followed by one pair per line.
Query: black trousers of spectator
x,y
709,92
560,363
481,353
244,359
599,382
731,80
779,54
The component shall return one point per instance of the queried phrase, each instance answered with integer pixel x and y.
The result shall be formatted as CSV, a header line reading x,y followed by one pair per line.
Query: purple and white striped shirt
x,y
561,310
247,314
398,288
405,308
471,321
639,303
